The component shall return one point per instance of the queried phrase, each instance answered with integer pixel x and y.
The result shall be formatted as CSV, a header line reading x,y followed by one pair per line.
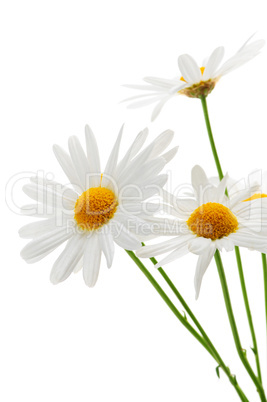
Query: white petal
x,y
38,228
199,245
177,253
168,156
158,108
144,102
107,245
133,150
123,237
68,259
91,261
144,87
164,247
202,265
51,195
79,161
45,243
111,165
162,82
189,69
213,63
67,166
93,156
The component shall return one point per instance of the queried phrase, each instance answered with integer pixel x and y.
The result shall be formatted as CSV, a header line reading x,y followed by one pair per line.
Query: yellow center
x,y
202,69
94,208
212,221
255,197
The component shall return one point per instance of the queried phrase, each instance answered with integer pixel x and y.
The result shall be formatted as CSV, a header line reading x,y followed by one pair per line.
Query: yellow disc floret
x,y
94,208
212,221
256,196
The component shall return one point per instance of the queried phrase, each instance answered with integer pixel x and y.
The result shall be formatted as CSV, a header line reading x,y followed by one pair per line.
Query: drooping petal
x,y
91,260
45,243
107,245
68,259
202,265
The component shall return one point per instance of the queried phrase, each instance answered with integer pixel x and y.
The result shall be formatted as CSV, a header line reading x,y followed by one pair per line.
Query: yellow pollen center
x,y
202,69
95,207
212,221
255,197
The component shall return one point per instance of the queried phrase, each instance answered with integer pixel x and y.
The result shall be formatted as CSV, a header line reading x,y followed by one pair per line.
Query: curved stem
x,y
216,355
250,321
241,352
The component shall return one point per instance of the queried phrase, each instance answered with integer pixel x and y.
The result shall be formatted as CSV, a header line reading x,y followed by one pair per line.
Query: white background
x,y
62,66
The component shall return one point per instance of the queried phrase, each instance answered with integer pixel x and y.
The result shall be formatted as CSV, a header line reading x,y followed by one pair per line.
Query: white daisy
x,y
194,81
210,221
100,209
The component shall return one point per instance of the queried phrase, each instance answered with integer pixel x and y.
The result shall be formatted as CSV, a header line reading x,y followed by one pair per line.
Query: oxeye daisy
x,y
209,221
99,208
194,81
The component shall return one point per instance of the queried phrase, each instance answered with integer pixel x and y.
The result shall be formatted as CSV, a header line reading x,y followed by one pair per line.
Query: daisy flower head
x,y
193,81
100,208
210,220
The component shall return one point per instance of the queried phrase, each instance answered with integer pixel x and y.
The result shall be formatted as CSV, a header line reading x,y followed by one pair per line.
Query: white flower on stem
x,y
194,81
103,207
210,220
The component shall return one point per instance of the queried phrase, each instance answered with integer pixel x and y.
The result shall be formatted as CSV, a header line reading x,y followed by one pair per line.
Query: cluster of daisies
x,y
116,204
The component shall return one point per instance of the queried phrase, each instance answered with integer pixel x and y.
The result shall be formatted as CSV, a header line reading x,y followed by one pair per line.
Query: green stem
x,y
238,258
216,355
212,143
169,303
264,266
241,352
250,321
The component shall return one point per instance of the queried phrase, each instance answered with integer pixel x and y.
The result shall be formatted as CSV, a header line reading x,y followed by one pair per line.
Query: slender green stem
x,y
169,303
238,258
241,352
264,266
212,143
216,355
250,321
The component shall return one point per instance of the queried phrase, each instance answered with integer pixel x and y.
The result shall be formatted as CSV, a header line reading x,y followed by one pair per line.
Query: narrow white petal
x,y
133,150
202,265
79,161
189,69
123,237
164,247
45,243
213,63
51,195
68,259
162,82
111,165
93,157
144,87
144,102
67,166
38,228
107,245
177,253
168,156
158,108
91,260
199,245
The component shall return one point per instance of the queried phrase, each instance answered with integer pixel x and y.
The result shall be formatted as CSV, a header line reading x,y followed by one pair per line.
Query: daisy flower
x,y
100,209
194,81
209,221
